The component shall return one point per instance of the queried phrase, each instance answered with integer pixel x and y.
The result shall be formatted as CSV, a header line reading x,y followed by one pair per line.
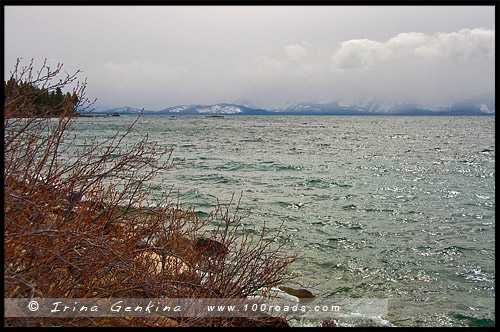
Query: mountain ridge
x,y
339,107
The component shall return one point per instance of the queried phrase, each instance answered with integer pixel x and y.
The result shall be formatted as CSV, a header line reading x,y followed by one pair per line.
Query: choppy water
x,y
390,207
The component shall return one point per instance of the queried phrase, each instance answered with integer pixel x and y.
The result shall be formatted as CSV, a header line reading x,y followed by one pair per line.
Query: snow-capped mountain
x,y
477,106
483,106
216,109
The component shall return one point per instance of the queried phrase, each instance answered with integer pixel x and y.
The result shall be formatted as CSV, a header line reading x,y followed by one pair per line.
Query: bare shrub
x,y
82,224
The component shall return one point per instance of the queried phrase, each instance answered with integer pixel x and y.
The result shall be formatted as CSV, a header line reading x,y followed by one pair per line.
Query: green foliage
x,y
44,102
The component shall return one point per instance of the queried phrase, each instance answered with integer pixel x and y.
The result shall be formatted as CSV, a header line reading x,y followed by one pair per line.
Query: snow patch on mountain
x,y
484,108
178,109
220,109
478,106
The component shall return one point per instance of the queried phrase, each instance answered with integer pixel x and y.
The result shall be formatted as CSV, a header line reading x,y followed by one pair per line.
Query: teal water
x,y
389,207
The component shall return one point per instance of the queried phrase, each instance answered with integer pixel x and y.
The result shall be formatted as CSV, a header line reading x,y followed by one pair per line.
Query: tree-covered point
x,y
43,102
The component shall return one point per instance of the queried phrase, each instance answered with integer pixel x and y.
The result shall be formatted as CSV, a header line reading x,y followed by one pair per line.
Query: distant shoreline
x,y
104,115
108,115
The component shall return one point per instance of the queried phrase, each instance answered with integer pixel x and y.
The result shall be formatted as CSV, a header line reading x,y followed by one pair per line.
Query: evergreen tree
x,y
44,102
58,98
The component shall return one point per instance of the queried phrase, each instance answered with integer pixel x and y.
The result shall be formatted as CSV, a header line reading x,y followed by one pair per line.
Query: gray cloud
x,y
155,57
423,67
462,46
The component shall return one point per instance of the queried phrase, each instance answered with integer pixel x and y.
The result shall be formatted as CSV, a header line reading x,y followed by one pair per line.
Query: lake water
x,y
401,208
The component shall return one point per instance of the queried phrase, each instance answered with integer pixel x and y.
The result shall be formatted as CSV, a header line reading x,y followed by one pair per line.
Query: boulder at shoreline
x,y
303,294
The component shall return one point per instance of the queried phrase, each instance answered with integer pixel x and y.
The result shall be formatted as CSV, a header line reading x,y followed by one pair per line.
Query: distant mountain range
x,y
377,107
217,109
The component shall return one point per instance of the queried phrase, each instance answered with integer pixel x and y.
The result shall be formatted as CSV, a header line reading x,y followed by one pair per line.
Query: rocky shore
x,y
119,251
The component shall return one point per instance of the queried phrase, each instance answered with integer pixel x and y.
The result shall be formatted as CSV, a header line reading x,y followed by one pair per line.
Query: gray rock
x,y
210,247
303,294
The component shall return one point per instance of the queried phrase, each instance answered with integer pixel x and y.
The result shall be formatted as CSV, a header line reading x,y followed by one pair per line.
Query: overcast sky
x,y
156,57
